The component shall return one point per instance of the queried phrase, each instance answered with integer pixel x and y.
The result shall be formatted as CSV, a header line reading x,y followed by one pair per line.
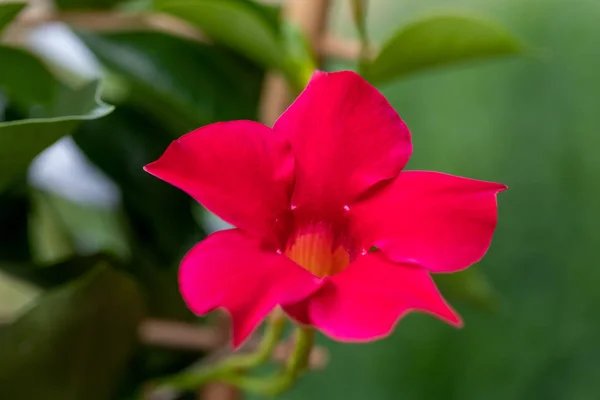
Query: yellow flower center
x,y
318,250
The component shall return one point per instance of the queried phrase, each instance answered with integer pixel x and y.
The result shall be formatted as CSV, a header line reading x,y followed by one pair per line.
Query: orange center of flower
x,y
319,250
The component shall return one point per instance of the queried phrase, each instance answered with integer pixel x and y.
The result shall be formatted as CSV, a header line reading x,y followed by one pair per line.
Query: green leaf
x,y
159,286
15,295
301,54
52,110
50,276
87,4
8,11
25,80
64,227
439,41
75,343
49,238
183,83
135,5
237,24
14,233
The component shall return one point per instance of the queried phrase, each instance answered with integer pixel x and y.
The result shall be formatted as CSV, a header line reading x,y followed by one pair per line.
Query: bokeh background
x,y
529,120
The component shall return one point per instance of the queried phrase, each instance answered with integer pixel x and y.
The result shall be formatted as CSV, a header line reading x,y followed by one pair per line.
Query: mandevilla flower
x,y
310,198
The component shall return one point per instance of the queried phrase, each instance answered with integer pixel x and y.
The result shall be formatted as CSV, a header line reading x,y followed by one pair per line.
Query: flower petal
x,y
230,270
345,137
365,301
240,170
441,222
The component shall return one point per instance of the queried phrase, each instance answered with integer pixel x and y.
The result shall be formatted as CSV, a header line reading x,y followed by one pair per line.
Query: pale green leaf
x,y
440,41
237,24
75,342
8,11
50,110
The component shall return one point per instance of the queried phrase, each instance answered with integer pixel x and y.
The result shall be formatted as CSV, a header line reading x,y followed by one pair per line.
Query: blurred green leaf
x,y
15,295
470,286
75,343
235,23
183,83
300,52
159,286
78,228
269,13
135,5
438,41
49,238
14,233
52,110
25,80
8,11
87,4
50,276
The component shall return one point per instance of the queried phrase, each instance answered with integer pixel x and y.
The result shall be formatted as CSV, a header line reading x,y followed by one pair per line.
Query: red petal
x,y
239,170
230,270
441,222
365,301
345,137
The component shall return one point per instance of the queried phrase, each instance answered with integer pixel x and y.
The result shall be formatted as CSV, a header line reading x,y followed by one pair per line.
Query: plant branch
x,y
282,381
232,365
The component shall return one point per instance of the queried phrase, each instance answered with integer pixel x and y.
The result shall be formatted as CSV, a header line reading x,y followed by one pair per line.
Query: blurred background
x,y
500,90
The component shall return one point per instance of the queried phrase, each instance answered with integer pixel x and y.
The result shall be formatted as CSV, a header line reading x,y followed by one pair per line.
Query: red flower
x,y
309,198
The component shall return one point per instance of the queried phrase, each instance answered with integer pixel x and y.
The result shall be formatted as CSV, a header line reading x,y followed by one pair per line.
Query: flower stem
x,y
233,365
282,381
305,339
273,331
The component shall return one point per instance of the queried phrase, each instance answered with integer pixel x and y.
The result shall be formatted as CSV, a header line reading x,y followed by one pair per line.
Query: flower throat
x,y
320,249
